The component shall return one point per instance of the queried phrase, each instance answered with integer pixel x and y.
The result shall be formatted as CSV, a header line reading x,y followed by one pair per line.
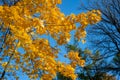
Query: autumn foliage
x,y
25,31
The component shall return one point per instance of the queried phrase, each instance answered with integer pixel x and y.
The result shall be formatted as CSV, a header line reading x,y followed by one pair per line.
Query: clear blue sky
x,y
70,6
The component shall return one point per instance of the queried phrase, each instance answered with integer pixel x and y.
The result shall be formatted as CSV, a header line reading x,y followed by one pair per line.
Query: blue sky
x,y
70,6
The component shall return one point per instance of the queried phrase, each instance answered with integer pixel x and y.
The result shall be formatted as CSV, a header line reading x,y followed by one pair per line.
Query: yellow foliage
x,y
26,29
75,59
4,64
